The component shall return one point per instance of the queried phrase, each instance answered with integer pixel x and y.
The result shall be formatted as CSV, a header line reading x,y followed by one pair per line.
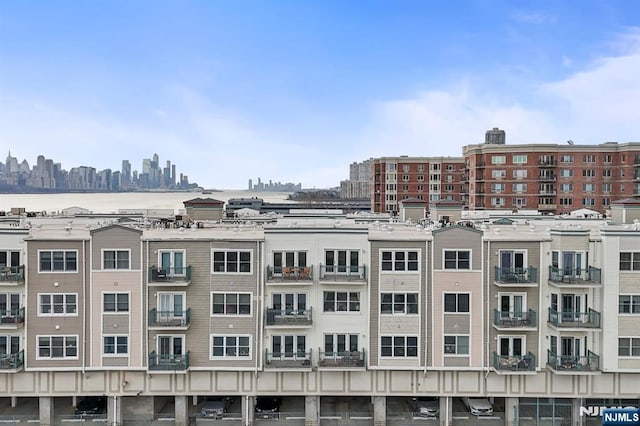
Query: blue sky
x,y
294,91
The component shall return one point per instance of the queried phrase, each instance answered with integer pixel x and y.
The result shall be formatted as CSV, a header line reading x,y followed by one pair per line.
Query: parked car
x,y
91,405
425,406
268,407
478,406
215,407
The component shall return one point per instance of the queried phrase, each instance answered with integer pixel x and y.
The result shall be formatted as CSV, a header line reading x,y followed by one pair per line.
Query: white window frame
x,y
65,348
519,158
634,259
161,313
457,260
64,304
404,346
63,271
116,260
225,294
498,159
404,303
407,262
498,174
117,294
172,262
634,301
116,346
226,252
238,355
630,340
349,302
456,353
457,294
511,338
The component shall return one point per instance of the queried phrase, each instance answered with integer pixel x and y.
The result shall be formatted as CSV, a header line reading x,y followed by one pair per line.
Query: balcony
x,y
12,275
174,276
575,277
572,364
546,192
289,317
13,318
12,361
353,359
579,320
168,362
170,319
547,163
516,277
547,178
288,274
343,273
503,363
514,320
287,359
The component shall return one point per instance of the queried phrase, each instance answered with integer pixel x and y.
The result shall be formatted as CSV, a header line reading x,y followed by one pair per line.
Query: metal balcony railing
x,y
10,274
516,275
168,362
12,316
295,359
169,318
289,317
341,359
290,273
590,362
514,363
575,276
514,319
342,273
170,275
12,361
590,319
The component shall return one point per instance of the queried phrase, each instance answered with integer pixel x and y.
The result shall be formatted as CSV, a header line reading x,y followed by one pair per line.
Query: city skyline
x,y
298,90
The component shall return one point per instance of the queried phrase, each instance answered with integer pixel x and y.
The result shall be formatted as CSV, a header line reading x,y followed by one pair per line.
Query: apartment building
x,y
552,178
343,318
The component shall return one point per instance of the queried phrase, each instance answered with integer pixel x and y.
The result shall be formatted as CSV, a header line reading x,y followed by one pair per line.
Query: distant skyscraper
x,y
495,136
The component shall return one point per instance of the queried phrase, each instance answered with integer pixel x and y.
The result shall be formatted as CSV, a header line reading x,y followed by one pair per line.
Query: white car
x,y
478,406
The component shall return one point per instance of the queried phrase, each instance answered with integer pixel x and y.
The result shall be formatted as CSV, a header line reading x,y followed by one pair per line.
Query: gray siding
x,y
457,238
115,237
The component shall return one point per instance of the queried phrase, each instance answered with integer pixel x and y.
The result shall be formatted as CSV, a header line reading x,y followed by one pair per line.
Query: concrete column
x,y
248,409
446,411
575,411
114,410
45,404
379,410
511,411
312,410
181,410
14,401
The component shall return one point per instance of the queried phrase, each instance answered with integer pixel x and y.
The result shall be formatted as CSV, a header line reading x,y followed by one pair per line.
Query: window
x,y
588,201
519,187
457,259
449,188
288,346
450,168
116,302
588,173
399,303
172,262
58,261
230,261
606,187
434,166
288,259
115,345
231,304
565,173
566,187
399,346
399,261
630,261
629,304
498,159
420,178
456,302
57,347
566,159
290,303
115,259
341,301
338,344
498,174
58,304
405,178
589,158
497,201
497,187
456,345
406,168
421,167
566,201
629,346
520,173
341,261
519,159
607,158
588,187
606,173
230,346
519,202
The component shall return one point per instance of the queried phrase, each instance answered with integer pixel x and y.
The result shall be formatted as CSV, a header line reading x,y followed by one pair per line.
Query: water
x,y
112,202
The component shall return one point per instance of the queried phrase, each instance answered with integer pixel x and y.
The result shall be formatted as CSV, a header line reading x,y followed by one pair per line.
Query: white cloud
x,y
535,18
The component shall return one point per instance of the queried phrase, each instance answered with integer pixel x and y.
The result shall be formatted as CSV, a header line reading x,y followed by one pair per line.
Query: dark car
x,y
91,405
215,407
268,407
